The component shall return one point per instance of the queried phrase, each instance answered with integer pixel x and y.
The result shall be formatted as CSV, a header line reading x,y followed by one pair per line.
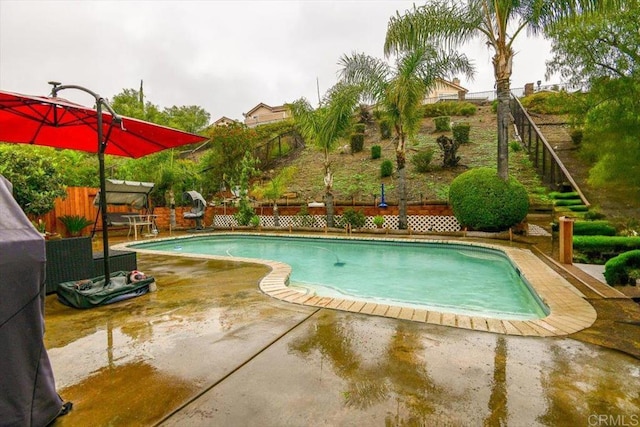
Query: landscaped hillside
x,y
357,176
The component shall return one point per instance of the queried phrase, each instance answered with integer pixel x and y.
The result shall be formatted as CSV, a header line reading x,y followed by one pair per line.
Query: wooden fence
x,y
80,201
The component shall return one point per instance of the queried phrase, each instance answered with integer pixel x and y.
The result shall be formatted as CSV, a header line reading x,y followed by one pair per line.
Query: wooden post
x,y
566,240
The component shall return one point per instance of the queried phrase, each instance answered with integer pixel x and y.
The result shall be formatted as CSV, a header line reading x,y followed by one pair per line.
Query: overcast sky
x,y
225,56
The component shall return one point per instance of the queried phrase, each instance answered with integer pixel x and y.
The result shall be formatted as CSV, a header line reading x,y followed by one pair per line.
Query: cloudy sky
x,y
225,56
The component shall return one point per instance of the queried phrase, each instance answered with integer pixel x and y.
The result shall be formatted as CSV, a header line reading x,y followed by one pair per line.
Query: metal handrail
x,y
556,168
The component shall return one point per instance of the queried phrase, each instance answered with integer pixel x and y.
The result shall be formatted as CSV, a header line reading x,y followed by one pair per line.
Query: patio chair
x,y
199,205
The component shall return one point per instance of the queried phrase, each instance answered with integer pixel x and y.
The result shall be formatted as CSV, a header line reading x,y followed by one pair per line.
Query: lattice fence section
x,y
437,223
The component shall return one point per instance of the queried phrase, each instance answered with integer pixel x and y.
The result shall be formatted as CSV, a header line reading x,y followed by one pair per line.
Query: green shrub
x,y
74,223
461,132
376,152
385,129
359,128
593,214
357,142
449,108
386,168
494,106
593,228
482,201
466,109
598,249
567,202
576,136
578,208
422,160
515,146
567,195
617,270
352,217
548,102
442,123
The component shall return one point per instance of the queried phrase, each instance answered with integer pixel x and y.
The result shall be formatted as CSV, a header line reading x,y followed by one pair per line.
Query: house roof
x,y
454,84
224,119
261,105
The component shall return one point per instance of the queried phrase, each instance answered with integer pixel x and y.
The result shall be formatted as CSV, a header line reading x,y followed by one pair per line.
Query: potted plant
x,y
40,226
74,224
378,220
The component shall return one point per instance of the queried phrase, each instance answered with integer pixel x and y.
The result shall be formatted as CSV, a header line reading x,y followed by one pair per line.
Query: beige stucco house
x,y
224,121
263,113
445,90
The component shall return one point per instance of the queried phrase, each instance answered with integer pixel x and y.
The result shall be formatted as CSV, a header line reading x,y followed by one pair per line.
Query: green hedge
x,y
442,123
616,270
567,195
421,161
385,129
482,201
376,151
359,128
386,168
449,108
357,142
461,132
352,217
602,248
593,228
578,208
567,202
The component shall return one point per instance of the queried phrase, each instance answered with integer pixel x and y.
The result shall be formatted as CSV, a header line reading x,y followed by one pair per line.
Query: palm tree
x,y
400,91
499,22
325,125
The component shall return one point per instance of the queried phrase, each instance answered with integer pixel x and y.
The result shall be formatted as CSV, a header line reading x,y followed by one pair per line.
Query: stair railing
x,y
547,163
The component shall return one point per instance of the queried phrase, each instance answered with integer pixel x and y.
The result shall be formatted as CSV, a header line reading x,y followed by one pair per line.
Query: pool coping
x,y
569,310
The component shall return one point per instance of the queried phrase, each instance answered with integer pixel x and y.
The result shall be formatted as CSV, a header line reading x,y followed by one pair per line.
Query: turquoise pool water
x,y
453,278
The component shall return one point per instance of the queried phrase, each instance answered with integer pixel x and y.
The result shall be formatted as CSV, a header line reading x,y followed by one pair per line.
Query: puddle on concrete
x,y
345,369
135,362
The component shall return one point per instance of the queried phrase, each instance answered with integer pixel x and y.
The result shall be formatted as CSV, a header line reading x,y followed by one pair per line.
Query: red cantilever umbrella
x,y
56,122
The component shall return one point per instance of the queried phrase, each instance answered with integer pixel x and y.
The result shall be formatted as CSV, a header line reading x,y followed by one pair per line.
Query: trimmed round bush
x,y
386,168
616,270
482,201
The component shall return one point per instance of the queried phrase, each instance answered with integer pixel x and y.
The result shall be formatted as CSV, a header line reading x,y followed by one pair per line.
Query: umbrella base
x,y
94,292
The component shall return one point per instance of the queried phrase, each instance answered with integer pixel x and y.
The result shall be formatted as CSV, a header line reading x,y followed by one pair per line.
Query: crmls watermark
x,y
610,420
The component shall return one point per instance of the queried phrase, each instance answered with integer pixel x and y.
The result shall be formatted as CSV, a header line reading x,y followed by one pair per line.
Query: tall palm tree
x,y
498,22
325,125
400,91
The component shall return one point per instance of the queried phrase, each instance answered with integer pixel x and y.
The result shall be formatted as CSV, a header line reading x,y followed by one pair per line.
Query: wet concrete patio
x,y
209,348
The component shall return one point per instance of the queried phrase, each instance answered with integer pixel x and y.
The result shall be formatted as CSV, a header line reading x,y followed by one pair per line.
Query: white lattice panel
x,y
421,223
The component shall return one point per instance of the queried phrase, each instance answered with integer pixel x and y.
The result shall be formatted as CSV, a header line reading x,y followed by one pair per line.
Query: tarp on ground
x,y
28,394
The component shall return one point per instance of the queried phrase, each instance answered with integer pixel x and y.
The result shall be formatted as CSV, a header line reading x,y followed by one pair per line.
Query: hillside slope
x,y
357,176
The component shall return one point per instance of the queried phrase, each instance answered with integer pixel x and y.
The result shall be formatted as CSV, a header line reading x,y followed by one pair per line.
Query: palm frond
x,y
439,22
370,73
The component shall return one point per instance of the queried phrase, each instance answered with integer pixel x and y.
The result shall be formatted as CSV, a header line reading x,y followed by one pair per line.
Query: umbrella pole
x,y
103,198
102,146
103,208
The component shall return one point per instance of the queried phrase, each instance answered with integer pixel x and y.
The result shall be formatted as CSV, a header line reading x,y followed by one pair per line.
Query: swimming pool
x,y
445,277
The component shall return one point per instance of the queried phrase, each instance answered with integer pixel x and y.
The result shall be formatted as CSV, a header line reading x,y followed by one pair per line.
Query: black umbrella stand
x,y
102,146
